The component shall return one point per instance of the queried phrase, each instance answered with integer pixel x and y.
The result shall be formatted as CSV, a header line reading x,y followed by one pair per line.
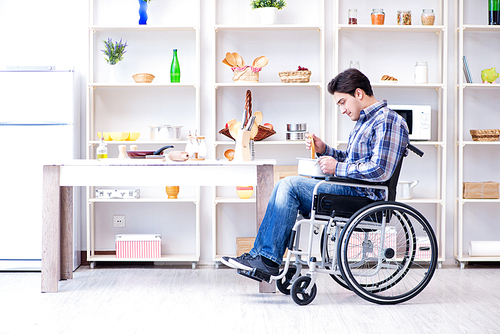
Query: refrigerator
x,y
39,124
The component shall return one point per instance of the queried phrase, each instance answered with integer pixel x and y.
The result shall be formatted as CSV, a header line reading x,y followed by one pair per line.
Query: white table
x,y
59,180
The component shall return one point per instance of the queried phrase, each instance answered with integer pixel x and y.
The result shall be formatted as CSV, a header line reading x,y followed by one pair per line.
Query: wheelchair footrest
x,y
255,274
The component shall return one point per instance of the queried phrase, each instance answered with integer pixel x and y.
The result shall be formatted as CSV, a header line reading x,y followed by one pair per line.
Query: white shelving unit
x,y
472,33
162,32
378,58
243,34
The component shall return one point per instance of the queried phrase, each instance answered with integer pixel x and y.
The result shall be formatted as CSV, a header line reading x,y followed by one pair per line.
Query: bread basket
x,y
485,134
143,77
294,76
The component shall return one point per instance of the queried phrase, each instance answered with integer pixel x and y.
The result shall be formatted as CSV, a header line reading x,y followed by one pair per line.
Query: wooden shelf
x,y
142,28
268,84
143,200
142,85
278,27
390,28
164,258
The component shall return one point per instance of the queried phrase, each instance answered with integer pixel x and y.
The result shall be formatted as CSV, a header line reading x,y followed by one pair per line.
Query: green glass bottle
x,y
175,69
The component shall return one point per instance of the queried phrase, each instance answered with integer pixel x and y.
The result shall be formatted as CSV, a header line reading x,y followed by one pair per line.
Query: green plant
x,y
114,51
280,4
148,1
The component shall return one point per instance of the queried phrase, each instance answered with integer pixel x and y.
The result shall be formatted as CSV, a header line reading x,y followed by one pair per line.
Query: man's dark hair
x,y
348,81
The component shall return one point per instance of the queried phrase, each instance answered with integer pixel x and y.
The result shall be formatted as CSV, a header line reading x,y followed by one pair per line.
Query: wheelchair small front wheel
x,y
298,292
285,283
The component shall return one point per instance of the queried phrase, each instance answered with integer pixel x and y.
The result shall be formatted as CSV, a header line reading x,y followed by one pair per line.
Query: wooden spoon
x,y
261,62
238,59
313,148
255,61
230,59
227,63
258,117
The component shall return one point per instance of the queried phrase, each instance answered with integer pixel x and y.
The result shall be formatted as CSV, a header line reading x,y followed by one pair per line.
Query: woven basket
x,y
143,77
263,133
295,76
485,135
247,75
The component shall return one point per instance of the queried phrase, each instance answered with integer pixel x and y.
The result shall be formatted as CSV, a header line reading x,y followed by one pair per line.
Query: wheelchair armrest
x,y
337,179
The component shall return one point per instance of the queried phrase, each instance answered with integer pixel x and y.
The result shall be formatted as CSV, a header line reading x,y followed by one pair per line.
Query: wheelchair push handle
x,y
415,150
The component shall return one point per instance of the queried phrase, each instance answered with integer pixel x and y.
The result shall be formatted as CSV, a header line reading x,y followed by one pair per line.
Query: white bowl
x,y
309,167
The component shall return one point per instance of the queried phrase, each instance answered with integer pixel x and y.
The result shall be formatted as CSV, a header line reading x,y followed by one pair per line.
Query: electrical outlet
x,y
118,221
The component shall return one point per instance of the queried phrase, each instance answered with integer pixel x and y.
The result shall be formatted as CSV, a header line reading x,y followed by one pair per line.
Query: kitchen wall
x,y
55,33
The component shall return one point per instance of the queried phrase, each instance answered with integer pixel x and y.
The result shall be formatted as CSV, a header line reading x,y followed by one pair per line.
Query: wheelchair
x,y
384,251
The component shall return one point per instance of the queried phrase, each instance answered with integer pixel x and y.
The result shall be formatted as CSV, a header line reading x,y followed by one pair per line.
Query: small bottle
x,y
493,12
378,16
102,150
202,148
428,17
421,72
352,16
175,69
354,64
404,17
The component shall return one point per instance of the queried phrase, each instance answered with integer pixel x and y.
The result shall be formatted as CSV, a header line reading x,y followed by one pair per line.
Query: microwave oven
x,y
418,119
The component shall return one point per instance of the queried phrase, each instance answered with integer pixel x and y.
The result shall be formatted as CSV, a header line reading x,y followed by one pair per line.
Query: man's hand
x,y
328,164
318,143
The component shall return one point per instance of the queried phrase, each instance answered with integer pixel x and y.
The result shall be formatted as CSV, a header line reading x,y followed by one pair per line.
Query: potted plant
x,y
114,53
268,9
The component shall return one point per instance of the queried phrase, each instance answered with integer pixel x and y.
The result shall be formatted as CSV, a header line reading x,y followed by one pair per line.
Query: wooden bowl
x,y
143,77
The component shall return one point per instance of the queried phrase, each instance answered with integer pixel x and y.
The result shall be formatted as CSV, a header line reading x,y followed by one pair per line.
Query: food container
x,y
378,16
295,136
428,17
404,189
352,16
421,74
165,132
296,127
310,167
404,17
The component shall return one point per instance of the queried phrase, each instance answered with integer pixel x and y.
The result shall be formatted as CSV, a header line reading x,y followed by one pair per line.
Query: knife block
x,y
242,146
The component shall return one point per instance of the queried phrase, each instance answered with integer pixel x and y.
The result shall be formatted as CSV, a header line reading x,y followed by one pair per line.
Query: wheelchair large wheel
x,y
387,252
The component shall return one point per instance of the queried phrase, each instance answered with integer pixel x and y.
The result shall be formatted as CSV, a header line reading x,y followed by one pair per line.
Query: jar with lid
x,y
421,72
352,16
202,148
404,17
378,16
428,17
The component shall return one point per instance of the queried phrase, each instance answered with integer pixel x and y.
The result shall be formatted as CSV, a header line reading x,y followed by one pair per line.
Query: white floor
x,y
164,299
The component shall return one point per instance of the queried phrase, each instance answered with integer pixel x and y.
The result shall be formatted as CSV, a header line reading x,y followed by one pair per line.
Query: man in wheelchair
x,y
376,144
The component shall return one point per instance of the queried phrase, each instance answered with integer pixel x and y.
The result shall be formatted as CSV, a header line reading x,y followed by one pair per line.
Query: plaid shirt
x,y
376,143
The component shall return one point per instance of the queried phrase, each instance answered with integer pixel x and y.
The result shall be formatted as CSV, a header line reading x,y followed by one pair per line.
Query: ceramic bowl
x,y
119,136
244,192
105,135
134,136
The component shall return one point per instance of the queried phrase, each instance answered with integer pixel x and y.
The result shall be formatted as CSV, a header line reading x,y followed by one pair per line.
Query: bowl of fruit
x,y
302,74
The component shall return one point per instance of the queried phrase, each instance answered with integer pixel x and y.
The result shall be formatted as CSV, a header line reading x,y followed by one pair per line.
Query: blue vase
x,y
143,12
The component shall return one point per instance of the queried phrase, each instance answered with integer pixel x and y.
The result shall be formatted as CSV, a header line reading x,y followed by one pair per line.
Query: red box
x,y
138,246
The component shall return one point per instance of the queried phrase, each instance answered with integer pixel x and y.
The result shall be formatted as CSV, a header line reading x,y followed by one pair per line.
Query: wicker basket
x,y
485,135
295,76
143,77
247,75
263,133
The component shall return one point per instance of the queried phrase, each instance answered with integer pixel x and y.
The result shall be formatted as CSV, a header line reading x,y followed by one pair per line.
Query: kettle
x,y
404,189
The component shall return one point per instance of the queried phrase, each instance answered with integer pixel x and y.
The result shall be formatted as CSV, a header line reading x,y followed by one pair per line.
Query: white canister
x,y
404,189
421,72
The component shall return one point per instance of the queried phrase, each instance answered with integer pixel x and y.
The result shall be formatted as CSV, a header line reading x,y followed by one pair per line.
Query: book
x,y
468,77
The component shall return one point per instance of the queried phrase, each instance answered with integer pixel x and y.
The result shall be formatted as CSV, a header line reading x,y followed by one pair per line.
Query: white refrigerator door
x,y
25,150
37,97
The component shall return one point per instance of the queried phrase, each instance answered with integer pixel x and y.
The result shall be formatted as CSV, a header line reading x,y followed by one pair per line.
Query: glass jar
x,y
202,148
354,64
378,16
352,16
421,72
404,17
428,17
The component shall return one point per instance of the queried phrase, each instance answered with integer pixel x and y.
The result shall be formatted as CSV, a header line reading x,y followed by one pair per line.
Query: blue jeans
x,y
290,195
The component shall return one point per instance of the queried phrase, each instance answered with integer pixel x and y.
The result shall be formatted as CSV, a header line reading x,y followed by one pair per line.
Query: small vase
x,y
268,15
112,75
143,12
172,191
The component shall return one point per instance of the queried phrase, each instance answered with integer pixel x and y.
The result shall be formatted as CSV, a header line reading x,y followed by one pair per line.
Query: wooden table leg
x,y
66,232
265,185
51,235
